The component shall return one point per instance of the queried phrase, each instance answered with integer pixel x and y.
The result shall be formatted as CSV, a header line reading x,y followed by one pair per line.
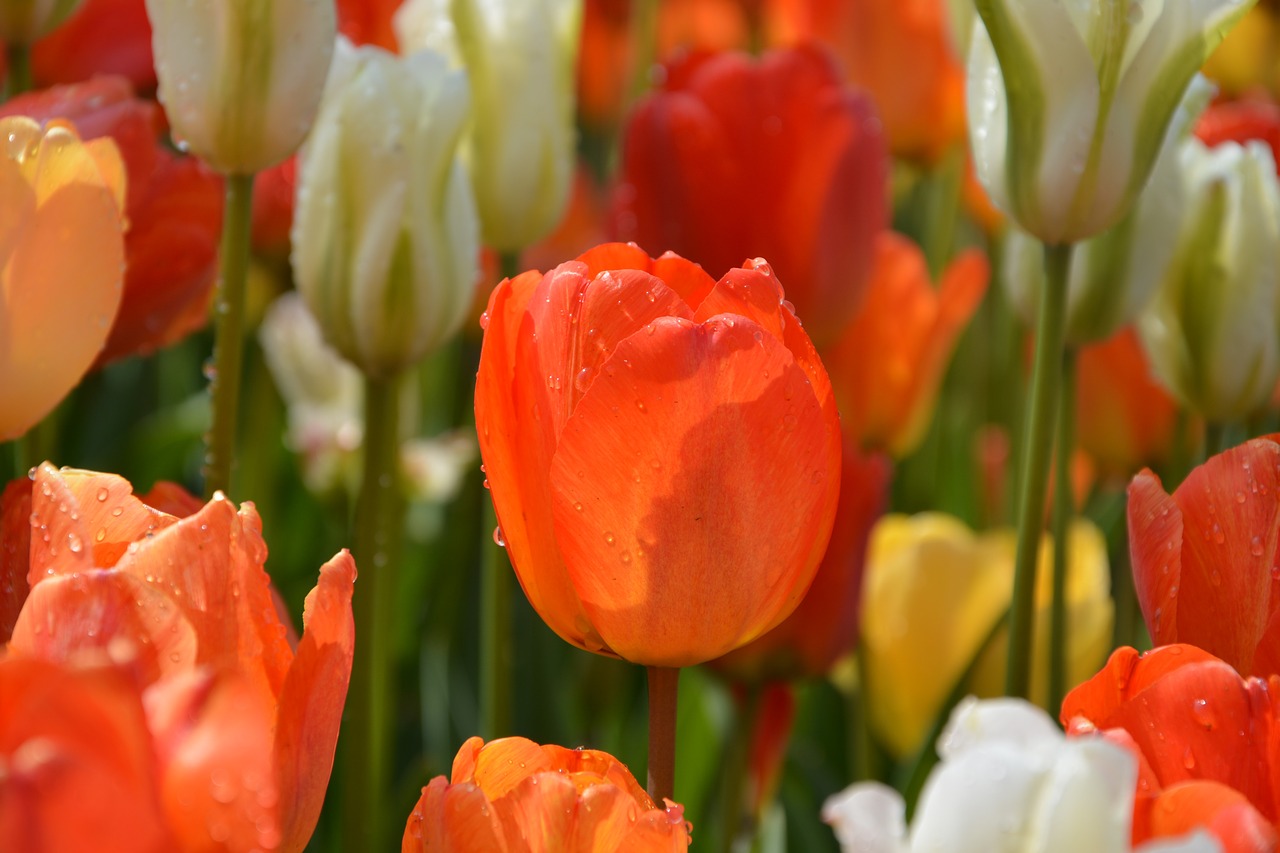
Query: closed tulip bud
x,y
241,79
521,59
1213,329
24,21
385,238
1067,149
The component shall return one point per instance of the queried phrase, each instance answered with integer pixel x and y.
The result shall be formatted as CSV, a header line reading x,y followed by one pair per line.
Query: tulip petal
x,y
500,765
109,511
1155,549
453,817
311,702
1211,805
644,432
15,552
512,454
219,786
101,614
78,762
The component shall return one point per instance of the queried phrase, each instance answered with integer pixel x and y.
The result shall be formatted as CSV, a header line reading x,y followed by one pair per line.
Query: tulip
x,y
1213,331
61,263
241,79
887,364
185,605
385,233
1241,121
111,37
174,213
1067,150
1008,781
1247,60
1204,738
901,53
1124,418
934,592
520,59
710,434
736,158
512,794
824,627
24,21
1204,557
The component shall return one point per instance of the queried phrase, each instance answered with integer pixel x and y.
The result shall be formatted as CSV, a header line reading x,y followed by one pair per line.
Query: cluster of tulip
x,y
712,263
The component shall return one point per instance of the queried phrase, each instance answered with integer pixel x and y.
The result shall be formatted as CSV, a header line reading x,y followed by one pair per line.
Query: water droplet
x,y
1255,546
484,320
498,539
625,557
577,505
583,379
117,512
609,538
73,542
1240,497
1188,759
1215,577
102,494
640,405
1203,715
100,535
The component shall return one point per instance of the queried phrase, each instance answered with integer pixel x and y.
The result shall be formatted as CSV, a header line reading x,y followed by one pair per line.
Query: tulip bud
x,y
1067,149
241,79
1213,331
24,21
521,59
385,238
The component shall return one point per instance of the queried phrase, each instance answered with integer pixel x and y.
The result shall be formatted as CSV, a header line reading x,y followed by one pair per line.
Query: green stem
x,y
737,816
663,682
862,759
496,671
228,340
927,757
379,516
19,77
496,592
943,208
644,25
1036,456
1215,439
1063,511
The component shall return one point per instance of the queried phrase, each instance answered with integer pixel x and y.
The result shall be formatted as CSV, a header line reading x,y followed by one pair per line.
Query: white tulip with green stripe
x,y
385,233
1070,101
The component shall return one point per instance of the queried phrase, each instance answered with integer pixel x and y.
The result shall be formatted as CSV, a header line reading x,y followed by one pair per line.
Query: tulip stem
x,y
1063,510
1037,450
496,591
19,77
663,682
376,542
228,334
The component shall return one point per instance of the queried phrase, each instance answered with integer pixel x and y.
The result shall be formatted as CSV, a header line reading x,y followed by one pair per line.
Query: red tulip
x,y
1241,121
663,450
1204,559
186,608
1206,741
889,361
824,627
173,205
102,37
513,795
736,158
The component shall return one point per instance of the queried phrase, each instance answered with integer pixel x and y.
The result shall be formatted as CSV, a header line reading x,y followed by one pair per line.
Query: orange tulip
x,y
174,213
663,449
736,158
1205,559
512,795
61,263
185,606
824,627
1205,739
1124,418
887,364
900,52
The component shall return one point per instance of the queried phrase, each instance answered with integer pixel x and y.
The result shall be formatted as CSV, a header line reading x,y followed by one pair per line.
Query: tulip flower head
x,y
1070,103
1204,739
61,263
241,79
1010,781
1213,330
385,237
557,799
240,726
663,451
1205,557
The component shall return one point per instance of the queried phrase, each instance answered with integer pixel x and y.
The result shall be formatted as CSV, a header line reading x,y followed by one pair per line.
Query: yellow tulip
x,y
934,590
61,263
